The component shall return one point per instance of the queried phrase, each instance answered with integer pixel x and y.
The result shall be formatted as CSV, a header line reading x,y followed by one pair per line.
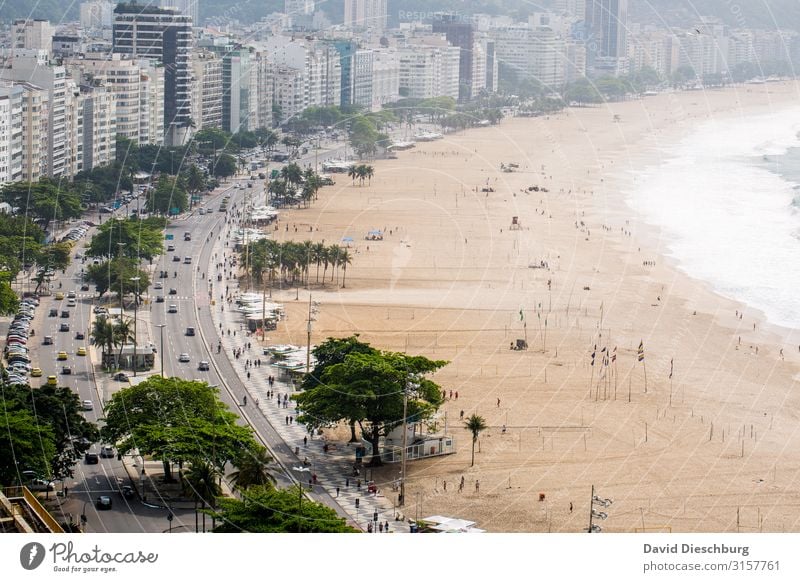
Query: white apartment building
x,y
33,66
34,132
319,66
11,140
385,77
99,126
363,63
97,15
73,119
34,34
478,68
366,14
429,70
263,86
121,76
288,91
535,53
151,102
206,89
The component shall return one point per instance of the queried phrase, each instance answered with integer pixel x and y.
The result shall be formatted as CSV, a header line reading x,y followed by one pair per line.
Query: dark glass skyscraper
x,y
165,35
459,32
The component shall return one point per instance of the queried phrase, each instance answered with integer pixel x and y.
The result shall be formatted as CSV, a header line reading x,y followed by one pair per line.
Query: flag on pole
x,y
670,368
641,351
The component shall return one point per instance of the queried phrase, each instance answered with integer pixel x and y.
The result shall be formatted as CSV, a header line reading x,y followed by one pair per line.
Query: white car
x,y
87,405
172,309
184,358
159,285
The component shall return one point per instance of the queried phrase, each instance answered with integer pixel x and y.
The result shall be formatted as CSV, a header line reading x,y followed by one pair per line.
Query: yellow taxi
x,y
81,351
59,296
62,356
52,381
36,372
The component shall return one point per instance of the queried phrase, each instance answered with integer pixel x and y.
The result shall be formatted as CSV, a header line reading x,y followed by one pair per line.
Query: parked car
x,y
121,377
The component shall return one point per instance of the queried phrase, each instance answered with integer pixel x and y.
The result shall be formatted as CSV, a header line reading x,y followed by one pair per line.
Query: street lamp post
x,y
135,312
300,493
402,499
308,345
161,327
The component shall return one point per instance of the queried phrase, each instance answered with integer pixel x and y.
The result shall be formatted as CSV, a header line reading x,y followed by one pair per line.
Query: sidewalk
x,y
333,469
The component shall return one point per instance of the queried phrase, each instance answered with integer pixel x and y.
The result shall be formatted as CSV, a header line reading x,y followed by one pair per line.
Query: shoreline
x,y
437,296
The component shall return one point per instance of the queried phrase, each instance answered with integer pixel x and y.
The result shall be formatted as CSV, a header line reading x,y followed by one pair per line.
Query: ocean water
x,y
727,200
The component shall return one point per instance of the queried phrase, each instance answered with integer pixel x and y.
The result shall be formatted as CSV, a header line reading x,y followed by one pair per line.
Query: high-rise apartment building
x,y
99,126
34,34
262,88
97,15
34,131
531,53
385,77
33,67
165,35
11,140
206,89
366,14
237,90
428,70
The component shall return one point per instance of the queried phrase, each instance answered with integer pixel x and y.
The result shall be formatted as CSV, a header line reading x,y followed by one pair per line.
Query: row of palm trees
x,y
287,259
361,172
110,334
294,186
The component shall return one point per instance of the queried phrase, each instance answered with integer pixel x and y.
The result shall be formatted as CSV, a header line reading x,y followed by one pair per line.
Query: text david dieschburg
x,y
743,551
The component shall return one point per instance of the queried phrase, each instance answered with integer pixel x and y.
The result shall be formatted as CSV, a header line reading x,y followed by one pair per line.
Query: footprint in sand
x,y
401,255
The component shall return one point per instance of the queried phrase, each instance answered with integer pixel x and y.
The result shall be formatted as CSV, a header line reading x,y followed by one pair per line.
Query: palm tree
x,y
345,258
253,469
361,173
123,333
333,256
317,255
475,424
200,484
352,173
369,171
195,182
102,334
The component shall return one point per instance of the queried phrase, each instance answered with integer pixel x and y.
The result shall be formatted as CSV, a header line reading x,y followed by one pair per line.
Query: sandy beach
x,y
714,448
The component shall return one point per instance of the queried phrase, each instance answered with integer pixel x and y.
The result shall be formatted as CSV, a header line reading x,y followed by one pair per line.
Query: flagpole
x,y
644,365
591,378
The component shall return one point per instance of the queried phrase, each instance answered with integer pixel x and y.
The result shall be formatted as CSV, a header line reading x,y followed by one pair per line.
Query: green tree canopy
x,y
368,389
224,166
116,275
44,431
168,194
131,237
264,509
44,201
175,420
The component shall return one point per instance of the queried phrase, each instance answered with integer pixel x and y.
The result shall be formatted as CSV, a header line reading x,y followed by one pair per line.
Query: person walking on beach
x,y
498,403
477,486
